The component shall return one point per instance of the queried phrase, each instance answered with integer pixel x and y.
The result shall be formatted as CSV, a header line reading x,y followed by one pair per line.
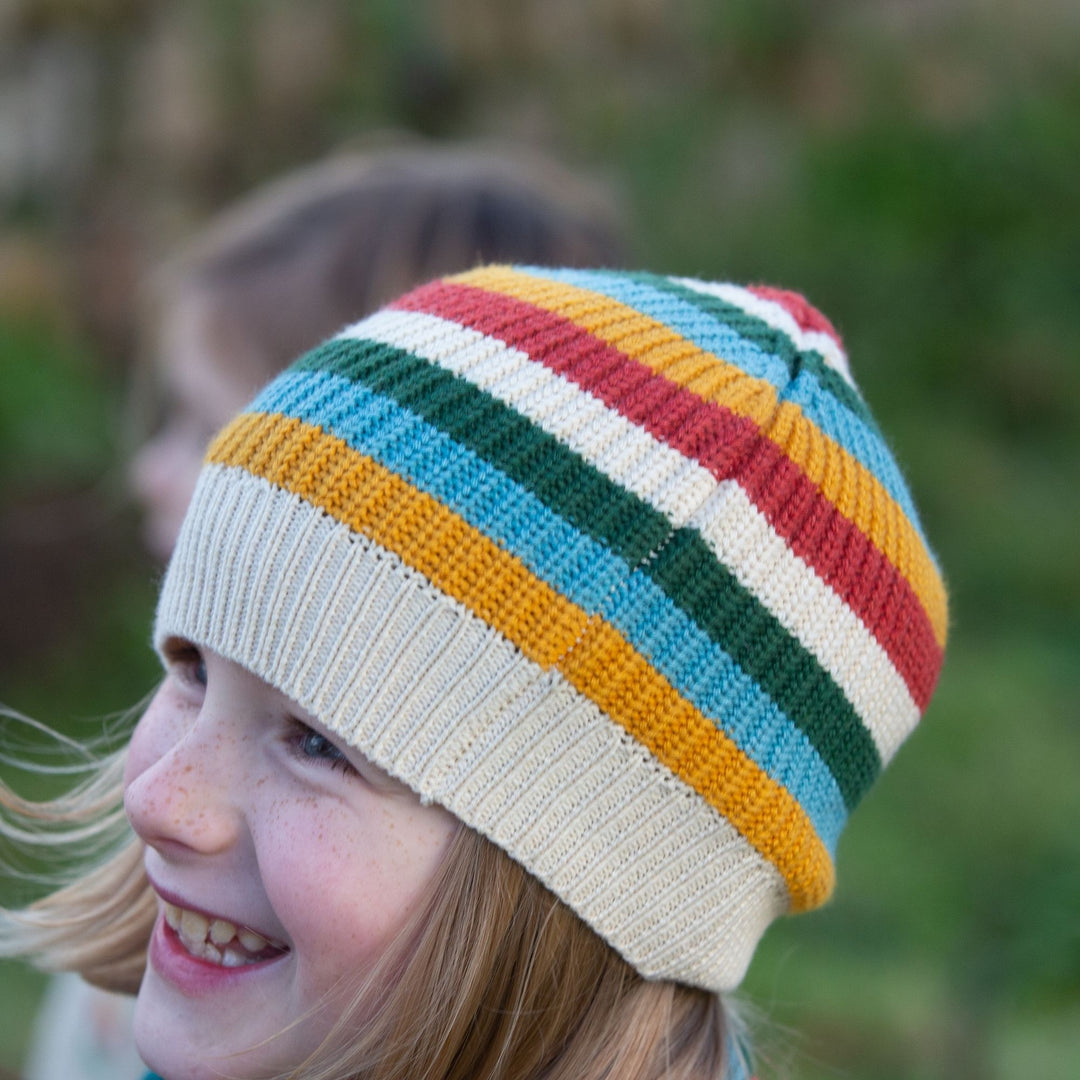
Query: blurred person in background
x,y
269,277
300,259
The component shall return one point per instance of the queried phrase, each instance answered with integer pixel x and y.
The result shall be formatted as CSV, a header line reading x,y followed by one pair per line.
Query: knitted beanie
x,y
615,567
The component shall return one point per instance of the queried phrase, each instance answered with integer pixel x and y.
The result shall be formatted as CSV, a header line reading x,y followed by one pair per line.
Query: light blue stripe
x,y
698,326
708,333
858,438
584,571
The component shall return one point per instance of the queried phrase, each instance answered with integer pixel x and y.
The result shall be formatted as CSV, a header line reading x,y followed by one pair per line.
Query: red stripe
x,y
729,446
843,557
799,308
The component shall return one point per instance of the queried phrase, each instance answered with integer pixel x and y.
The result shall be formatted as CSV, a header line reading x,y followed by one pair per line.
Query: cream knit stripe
x,y
469,723
776,316
809,610
732,526
629,455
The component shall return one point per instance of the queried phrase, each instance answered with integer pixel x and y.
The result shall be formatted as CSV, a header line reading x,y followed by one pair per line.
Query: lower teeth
x,y
205,951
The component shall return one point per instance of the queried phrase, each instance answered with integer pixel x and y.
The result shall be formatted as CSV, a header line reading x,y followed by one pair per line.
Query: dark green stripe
x,y
737,621
687,571
573,488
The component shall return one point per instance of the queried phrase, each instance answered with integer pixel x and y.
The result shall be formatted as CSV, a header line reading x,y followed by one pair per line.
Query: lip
x,y
192,975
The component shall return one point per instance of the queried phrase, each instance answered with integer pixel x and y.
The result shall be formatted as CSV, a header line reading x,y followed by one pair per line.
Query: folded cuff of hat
x,y
436,695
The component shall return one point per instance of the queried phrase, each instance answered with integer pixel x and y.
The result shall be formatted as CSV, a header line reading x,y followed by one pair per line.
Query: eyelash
x,y
190,666
301,736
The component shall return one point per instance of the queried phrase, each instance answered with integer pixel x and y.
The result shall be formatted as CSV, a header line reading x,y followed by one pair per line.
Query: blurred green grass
x,y
56,412
942,241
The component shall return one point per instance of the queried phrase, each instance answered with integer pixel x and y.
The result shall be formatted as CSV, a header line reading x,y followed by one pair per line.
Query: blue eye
x,y
312,744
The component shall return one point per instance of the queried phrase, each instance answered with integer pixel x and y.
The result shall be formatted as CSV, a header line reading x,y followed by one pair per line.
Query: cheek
x,y
347,882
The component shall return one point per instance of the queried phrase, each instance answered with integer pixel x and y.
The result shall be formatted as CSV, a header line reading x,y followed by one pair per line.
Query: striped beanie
x,y
616,567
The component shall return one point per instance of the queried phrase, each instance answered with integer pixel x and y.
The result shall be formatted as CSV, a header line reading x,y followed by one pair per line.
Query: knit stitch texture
x,y
616,567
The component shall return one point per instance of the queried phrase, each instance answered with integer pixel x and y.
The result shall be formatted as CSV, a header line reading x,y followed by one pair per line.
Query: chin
x,y
169,1046
174,1041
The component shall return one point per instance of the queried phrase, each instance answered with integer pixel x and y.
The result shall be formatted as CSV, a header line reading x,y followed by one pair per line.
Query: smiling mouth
x,y
219,941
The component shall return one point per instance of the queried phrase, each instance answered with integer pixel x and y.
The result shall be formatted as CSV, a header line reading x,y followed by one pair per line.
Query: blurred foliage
x,y
911,166
55,412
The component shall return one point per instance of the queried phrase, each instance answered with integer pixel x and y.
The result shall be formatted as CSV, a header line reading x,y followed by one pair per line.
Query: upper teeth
x,y
217,940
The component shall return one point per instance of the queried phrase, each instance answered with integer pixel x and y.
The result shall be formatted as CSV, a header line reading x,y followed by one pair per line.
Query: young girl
x,y
526,648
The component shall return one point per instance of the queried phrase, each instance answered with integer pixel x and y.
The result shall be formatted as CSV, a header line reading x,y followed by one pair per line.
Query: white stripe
x,y
779,318
735,530
805,605
632,457
430,692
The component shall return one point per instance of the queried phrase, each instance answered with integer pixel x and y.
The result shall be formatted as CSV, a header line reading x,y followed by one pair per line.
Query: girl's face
x,y
284,863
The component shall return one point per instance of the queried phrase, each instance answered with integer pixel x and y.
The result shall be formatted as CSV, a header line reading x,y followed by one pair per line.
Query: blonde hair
x,y
497,978
493,977
97,918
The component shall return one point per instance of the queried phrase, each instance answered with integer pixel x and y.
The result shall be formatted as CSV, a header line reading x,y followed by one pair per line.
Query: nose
x,y
177,793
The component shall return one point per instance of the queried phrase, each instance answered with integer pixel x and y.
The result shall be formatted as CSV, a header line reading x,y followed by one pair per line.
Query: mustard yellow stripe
x,y
458,559
843,480
548,628
606,668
